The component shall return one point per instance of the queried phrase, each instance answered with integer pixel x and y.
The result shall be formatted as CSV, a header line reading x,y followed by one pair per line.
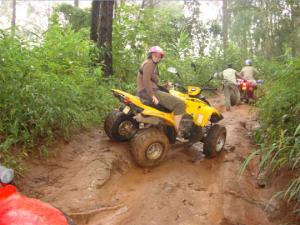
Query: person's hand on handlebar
x,y
168,85
155,100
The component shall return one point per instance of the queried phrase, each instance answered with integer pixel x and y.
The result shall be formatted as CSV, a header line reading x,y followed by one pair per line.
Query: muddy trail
x,y
95,181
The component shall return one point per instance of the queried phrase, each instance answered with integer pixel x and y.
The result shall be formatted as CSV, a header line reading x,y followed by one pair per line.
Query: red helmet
x,y
157,49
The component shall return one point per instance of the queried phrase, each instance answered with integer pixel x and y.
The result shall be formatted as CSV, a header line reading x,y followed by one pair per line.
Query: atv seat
x,y
158,107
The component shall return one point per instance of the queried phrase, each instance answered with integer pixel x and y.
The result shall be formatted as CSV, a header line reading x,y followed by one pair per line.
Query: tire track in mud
x,y
95,181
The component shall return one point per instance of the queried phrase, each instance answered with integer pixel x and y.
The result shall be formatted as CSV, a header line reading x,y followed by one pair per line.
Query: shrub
x,y
279,136
48,89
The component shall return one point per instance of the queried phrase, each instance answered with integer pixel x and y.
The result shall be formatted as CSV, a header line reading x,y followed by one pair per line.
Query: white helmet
x,y
248,62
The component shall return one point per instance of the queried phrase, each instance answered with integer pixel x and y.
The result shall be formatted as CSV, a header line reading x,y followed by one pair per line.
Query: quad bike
x,y
151,128
17,209
247,89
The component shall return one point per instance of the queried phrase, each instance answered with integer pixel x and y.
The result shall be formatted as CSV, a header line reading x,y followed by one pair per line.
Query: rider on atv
x,y
249,72
151,128
149,89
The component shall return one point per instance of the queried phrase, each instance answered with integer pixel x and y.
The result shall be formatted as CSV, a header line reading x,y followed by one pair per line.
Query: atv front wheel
x,y
149,147
214,141
119,126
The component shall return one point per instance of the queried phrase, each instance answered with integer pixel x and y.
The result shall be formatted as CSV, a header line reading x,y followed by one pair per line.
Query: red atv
x,y
16,209
247,89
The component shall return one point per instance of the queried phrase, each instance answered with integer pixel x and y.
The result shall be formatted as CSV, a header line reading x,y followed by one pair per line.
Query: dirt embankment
x,y
95,181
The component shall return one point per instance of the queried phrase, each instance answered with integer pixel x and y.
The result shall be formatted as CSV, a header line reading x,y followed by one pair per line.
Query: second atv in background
x,y
247,90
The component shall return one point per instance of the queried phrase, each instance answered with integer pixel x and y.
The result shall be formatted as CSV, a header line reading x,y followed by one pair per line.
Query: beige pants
x,y
231,91
168,101
171,102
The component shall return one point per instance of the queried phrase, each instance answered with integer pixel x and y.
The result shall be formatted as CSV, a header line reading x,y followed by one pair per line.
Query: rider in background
x,y
230,86
249,72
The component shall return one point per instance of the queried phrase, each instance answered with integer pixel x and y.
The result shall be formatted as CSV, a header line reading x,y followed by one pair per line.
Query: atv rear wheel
x,y
214,141
244,96
119,126
149,147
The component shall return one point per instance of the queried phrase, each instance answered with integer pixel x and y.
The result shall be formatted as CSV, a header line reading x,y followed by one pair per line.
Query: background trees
x,y
266,27
13,19
101,32
95,15
105,35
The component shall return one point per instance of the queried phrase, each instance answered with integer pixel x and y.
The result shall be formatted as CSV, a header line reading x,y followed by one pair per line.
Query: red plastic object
x,y
16,209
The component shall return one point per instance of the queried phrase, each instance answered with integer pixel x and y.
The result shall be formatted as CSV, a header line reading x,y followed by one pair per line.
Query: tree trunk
x,y
105,35
143,4
95,11
225,23
295,24
150,3
13,19
267,42
76,3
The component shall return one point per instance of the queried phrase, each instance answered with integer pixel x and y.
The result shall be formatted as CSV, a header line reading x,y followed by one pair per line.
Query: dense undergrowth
x,y
278,138
48,89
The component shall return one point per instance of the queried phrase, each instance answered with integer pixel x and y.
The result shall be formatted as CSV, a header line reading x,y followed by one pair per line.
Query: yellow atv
x,y
151,128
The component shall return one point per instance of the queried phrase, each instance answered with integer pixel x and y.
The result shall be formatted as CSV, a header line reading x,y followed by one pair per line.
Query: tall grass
x,y
279,136
48,89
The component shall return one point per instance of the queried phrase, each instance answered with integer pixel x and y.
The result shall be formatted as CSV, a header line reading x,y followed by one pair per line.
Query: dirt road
x,y
95,181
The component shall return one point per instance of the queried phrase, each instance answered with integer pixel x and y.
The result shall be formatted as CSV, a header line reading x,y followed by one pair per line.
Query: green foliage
x,y
77,17
251,19
135,31
279,136
128,50
281,104
48,89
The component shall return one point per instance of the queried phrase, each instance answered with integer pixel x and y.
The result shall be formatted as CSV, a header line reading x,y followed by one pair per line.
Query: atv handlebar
x,y
202,88
208,89
180,86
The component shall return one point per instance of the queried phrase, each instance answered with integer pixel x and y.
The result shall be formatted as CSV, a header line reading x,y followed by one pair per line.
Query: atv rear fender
x,y
127,98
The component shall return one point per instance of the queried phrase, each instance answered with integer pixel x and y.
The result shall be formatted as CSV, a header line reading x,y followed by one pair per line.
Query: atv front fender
x,y
206,114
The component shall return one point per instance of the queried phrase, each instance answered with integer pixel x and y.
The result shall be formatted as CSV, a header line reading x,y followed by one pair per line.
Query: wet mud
x,y
95,181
